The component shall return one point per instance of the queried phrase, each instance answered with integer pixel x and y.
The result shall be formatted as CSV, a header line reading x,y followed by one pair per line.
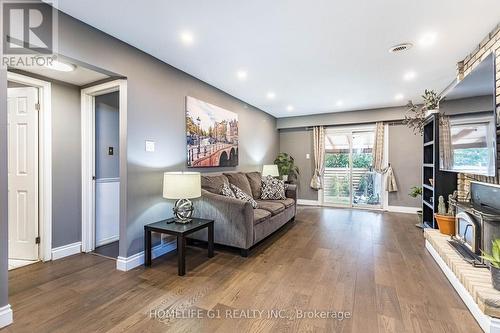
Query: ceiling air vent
x,y
400,47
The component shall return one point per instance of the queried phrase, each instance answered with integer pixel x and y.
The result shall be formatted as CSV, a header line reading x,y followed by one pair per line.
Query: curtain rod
x,y
386,122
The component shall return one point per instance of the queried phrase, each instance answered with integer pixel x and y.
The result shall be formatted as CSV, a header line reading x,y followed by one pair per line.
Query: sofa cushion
x,y
226,191
239,180
272,189
273,207
240,195
255,180
288,202
213,183
260,215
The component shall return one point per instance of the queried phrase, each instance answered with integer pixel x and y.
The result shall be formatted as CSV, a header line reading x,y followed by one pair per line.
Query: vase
x,y
495,277
446,224
432,111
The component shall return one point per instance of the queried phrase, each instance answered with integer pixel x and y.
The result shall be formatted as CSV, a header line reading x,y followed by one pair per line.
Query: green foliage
x,y
470,157
341,160
415,191
431,100
494,257
286,165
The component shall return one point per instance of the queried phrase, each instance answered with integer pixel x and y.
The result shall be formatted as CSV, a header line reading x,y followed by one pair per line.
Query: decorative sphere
x,y
183,209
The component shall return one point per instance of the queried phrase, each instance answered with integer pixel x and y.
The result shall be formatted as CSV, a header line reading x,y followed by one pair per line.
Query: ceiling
x,y
316,56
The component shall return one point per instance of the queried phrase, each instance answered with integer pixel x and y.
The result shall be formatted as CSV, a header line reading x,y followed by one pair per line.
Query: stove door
x,y
467,231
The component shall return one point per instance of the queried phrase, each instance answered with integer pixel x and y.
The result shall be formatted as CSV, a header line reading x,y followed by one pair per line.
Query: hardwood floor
x,y
370,264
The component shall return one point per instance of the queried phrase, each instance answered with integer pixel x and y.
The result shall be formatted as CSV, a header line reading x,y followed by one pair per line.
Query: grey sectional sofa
x,y
237,223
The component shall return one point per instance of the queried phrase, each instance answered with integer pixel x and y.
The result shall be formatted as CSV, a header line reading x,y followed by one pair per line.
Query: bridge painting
x,y
211,134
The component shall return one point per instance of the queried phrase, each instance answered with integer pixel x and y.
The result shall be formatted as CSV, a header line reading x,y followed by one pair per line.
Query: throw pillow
x,y
226,191
273,189
255,180
239,194
240,180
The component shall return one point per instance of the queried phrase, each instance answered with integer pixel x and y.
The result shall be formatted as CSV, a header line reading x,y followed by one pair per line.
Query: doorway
x,y
29,170
103,118
349,180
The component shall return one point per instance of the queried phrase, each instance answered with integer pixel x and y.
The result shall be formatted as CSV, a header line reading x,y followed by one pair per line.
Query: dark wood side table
x,y
169,227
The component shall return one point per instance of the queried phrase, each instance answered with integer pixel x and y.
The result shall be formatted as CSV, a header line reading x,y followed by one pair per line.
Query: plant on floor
x,y
415,191
494,260
286,166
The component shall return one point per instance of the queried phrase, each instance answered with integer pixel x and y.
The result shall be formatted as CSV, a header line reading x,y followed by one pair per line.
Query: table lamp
x,y
270,170
182,186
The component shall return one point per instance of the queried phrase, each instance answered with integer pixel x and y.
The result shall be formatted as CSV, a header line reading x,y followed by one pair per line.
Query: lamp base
x,y
183,210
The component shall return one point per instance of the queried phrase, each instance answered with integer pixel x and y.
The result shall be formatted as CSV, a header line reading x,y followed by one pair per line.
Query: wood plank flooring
x,y
370,264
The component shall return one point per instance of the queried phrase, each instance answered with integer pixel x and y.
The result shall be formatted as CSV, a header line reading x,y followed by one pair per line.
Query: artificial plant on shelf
x,y
415,115
286,166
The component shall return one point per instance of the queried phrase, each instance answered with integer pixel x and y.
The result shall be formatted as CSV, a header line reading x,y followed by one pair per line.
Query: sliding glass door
x,y
348,179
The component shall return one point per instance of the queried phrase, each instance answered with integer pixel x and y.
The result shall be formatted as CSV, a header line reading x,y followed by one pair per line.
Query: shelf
x,y
428,204
428,225
429,187
428,165
430,143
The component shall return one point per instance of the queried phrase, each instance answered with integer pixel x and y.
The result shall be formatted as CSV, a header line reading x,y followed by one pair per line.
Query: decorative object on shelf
x,y
494,260
431,102
212,135
286,166
431,181
182,186
445,220
270,170
415,192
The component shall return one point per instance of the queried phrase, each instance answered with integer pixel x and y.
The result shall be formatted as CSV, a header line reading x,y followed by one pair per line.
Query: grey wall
x,y
343,118
107,135
405,149
405,156
156,111
299,142
4,239
66,165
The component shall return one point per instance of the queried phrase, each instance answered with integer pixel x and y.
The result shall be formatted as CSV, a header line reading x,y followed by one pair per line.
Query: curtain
x,y
445,149
319,157
378,159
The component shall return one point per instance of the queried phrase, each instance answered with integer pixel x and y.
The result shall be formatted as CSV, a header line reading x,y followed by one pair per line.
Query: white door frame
x,y
44,160
88,153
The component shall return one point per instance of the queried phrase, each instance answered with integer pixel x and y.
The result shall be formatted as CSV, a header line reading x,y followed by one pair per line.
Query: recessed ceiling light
x,y
241,74
271,95
339,103
399,97
410,75
289,108
187,37
60,66
427,39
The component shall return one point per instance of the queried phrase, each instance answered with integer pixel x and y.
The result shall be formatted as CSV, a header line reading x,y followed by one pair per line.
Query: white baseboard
x,y
66,250
403,209
107,240
128,263
5,316
487,323
304,202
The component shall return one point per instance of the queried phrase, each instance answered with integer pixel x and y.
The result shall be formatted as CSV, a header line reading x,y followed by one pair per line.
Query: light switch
x,y
150,146
308,156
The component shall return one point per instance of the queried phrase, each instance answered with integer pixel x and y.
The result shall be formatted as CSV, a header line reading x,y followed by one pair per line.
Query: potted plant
x,y
415,192
286,166
431,102
494,260
445,218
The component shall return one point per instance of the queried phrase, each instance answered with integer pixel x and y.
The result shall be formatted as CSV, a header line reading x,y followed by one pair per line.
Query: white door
x,y
23,173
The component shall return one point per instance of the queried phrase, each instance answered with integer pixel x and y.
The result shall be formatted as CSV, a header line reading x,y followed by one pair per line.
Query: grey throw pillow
x,y
226,191
273,189
243,196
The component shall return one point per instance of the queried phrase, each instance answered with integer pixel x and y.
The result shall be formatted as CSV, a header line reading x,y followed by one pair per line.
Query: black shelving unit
x,y
444,182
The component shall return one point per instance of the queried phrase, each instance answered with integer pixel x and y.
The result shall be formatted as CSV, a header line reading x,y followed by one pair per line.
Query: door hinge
x,y
37,240
37,106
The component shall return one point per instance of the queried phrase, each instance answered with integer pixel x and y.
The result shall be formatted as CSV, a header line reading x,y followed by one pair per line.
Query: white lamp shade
x,y
270,170
181,185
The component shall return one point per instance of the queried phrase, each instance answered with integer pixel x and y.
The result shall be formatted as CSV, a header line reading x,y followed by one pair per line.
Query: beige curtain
x,y
378,148
445,149
319,157
378,159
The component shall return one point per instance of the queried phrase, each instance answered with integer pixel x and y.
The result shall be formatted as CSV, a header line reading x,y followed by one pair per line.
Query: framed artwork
x,y
211,135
